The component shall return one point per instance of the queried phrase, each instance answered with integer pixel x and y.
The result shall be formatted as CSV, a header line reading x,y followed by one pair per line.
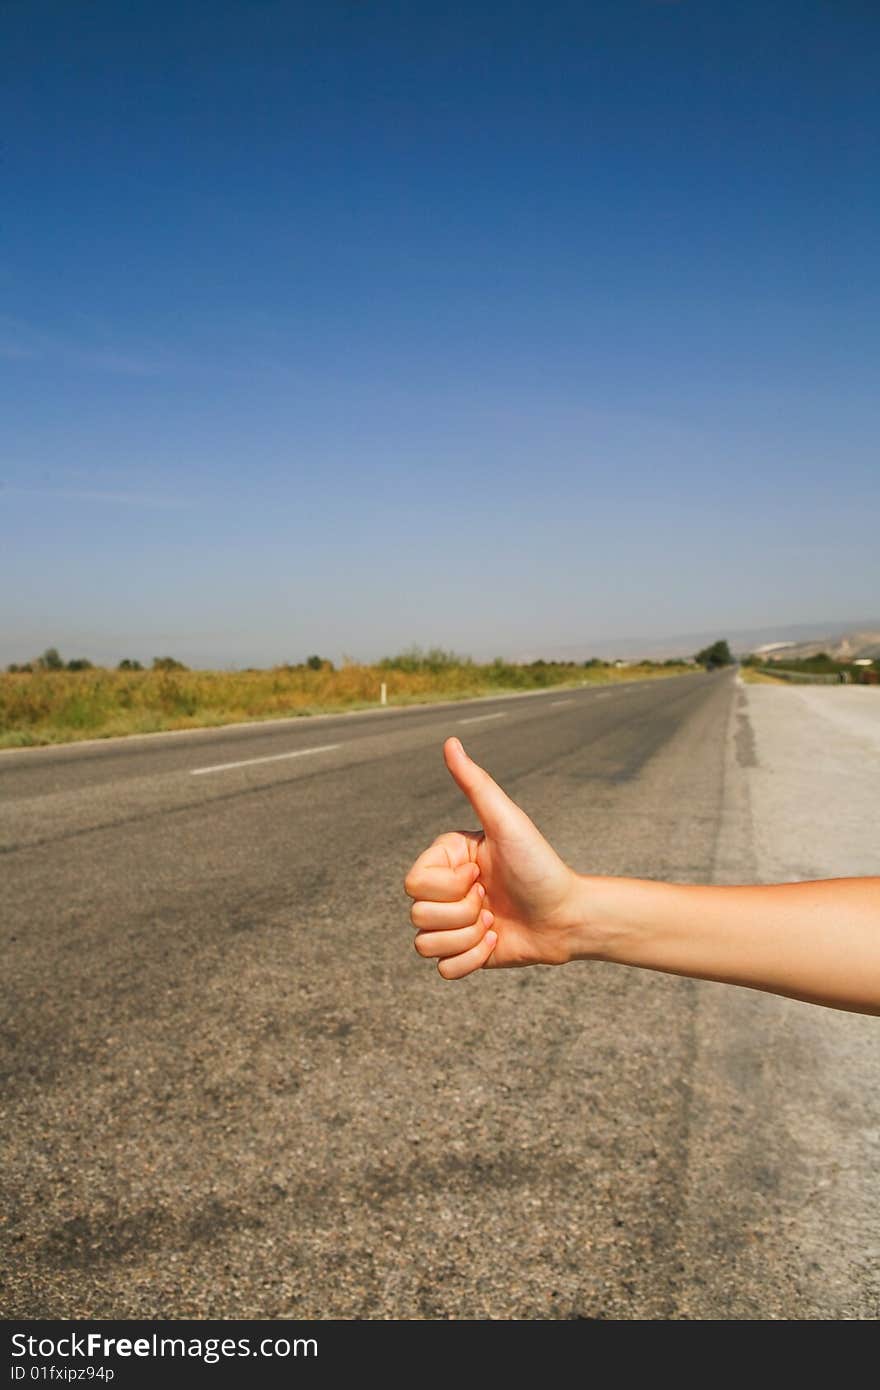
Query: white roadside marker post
x,y
383,694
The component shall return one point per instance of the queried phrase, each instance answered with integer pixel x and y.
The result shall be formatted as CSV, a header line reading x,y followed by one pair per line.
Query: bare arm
x,y
501,896
815,941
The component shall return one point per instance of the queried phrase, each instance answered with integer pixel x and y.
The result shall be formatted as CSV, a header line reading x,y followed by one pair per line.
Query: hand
x,y
492,897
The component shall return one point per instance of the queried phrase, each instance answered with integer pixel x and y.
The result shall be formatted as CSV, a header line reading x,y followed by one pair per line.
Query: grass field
x,y
43,707
753,677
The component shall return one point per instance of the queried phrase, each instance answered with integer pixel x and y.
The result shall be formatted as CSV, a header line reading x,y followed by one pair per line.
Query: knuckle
x,y
414,883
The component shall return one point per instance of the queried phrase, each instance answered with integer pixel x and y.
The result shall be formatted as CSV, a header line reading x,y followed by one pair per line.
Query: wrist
x,y
586,937
613,917
585,928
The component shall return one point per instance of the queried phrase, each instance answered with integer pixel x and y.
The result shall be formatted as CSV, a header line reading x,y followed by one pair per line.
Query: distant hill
x,y
847,646
796,637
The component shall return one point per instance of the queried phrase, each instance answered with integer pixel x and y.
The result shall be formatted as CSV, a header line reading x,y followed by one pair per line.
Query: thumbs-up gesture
x,y
491,897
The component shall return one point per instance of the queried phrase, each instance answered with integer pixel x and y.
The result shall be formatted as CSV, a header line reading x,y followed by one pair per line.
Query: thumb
x,y
492,805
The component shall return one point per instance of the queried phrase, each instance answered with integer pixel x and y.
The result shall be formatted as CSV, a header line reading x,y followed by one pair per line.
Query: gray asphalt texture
x,y
232,1089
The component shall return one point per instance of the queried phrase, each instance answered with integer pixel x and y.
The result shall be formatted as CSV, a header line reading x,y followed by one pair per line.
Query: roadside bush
x,y
435,660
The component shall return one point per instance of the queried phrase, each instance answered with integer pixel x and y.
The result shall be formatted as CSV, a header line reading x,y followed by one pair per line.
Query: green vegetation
x,y
434,660
819,665
718,654
51,661
168,663
43,702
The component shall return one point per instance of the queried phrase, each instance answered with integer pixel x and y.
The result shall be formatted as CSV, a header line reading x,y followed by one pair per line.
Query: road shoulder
x,y
785,1120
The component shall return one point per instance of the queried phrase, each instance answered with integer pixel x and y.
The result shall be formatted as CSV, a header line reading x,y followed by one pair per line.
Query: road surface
x,y
233,1089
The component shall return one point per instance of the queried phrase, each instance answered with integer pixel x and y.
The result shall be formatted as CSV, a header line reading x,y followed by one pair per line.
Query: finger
x,y
458,966
448,851
460,845
440,944
453,850
438,884
491,804
436,916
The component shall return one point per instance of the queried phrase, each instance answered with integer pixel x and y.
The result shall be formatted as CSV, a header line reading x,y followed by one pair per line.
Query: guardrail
x,y
802,677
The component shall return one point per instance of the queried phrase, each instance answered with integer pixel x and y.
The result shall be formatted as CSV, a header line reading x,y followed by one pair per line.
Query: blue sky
x,y
505,326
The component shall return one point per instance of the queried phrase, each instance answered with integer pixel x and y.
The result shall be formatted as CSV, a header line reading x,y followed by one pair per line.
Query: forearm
x,y
815,941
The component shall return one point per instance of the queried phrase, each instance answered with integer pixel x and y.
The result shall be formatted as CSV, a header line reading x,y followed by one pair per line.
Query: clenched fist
x,y
495,896
502,896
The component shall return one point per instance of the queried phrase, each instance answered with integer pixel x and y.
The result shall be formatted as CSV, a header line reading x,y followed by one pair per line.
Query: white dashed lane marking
x,y
273,758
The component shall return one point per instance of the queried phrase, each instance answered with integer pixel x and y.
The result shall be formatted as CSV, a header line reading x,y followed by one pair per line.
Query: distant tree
x,y
317,663
51,660
79,663
12,667
128,664
718,654
168,663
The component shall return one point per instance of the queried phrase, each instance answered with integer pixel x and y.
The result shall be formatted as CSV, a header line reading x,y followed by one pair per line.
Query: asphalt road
x,y
233,1089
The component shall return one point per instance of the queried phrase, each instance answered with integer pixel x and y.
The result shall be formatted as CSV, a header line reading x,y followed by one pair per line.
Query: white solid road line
x,y
478,718
561,702
273,758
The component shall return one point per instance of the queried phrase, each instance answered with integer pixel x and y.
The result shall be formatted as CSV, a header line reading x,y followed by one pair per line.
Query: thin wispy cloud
x,y
91,349
15,352
21,341
18,339
149,500
120,363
